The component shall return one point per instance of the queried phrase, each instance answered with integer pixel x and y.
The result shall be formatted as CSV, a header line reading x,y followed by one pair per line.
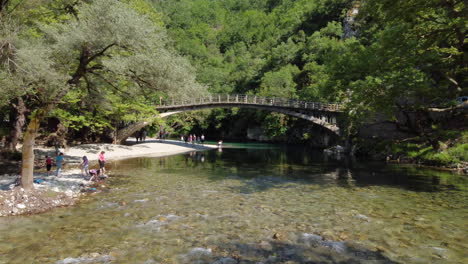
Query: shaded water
x,y
245,205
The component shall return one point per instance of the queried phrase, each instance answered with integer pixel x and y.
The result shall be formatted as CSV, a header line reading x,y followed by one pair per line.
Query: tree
x,y
416,52
280,83
106,46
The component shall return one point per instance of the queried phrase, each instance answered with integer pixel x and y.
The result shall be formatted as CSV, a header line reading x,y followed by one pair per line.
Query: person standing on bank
x,y
59,162
102,162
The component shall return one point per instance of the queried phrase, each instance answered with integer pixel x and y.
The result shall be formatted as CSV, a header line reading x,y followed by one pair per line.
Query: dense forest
x,y
375,56
82,70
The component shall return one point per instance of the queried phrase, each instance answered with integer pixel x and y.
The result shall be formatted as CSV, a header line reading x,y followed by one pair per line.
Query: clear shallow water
x,y
252,205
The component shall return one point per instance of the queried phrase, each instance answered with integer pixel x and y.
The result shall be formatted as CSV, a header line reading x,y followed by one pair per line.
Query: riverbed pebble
x,y
362,217
86,259
196,252
225,261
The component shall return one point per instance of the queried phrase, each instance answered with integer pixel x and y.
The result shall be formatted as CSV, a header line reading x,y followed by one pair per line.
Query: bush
x,y
442,158
459,152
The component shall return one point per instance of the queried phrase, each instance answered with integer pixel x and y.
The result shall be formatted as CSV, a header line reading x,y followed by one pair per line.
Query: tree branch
x,y
101,52
85,59
111,84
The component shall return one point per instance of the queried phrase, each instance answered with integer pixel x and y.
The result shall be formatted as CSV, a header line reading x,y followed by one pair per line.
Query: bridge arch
x,y
321,114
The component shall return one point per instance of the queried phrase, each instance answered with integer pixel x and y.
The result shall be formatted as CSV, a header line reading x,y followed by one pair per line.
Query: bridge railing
x,y
249,99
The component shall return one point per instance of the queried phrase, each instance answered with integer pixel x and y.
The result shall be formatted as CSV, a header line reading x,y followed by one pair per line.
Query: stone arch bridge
x,y
322,114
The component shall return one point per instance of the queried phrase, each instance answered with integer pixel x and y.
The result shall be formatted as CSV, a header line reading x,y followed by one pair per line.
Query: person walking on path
x,y
143,135
102,162
85,166
48,164
59,162
202,138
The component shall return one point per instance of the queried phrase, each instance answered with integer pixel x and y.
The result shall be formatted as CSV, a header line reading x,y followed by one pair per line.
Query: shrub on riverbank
x,y
451,151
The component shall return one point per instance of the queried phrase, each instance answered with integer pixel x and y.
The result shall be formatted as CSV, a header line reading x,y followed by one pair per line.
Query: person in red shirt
x,y
102,162
48,164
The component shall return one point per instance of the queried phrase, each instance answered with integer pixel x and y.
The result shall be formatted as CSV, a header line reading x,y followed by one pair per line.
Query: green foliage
x,y
280,83
459,152
408,54
418,150
275,125
415,50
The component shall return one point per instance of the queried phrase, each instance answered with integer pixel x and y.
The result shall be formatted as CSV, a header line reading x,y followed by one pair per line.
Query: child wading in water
x,y
85,166
94,174
59,162
102,162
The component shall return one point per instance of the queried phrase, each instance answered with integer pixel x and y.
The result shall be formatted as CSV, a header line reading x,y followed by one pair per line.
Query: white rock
x,y
363,217
21,206
200,251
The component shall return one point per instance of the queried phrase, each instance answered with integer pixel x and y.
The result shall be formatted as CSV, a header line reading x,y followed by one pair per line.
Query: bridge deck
x,y
238,99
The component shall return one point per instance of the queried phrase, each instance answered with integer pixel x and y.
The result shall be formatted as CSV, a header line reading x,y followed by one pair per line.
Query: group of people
x,y
192,139
141,136
94,174
58,163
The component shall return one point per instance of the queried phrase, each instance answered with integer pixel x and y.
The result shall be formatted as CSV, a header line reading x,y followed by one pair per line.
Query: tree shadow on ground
x,y
100,147
170,142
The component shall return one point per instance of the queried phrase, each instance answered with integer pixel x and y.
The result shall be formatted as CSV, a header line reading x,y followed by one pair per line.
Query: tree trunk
x,y
17,121
125,132
29,139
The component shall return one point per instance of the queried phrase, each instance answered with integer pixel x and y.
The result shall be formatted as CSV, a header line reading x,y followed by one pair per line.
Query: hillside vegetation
x,y
84,70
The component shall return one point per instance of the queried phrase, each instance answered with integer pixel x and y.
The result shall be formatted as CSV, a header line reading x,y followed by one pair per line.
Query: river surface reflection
x,y
252,205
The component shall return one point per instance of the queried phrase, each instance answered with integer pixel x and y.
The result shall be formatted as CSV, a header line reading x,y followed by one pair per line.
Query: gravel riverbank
x,y
51,191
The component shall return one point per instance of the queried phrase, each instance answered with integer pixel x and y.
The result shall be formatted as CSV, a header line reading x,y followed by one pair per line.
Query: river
x,y
260,204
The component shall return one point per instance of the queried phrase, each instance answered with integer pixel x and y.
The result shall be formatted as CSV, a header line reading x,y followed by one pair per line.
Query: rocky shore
x,y
51,191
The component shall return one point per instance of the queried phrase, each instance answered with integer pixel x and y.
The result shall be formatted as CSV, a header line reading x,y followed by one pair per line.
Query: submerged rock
x,y
339,247
80,260
363,217
225,261
316,240
200,252
311,239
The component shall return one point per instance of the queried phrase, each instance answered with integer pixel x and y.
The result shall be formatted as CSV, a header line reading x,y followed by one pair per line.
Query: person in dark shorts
x,y
102,162
48,164
94,174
